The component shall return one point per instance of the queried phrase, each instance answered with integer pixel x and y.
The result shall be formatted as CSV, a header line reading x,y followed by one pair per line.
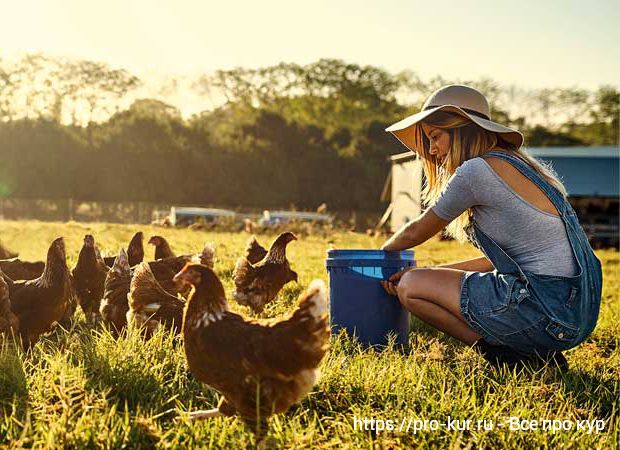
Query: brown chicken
x,y
72,302
150,306
165,269
162,248
5,253
41,302
260,368
16,269
135,251
89,276
114,305
9,323
254,251
258,284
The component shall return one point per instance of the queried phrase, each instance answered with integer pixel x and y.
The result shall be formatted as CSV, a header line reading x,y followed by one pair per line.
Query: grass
x,y
82,388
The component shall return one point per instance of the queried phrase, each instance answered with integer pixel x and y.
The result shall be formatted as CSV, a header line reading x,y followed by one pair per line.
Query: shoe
x,y
499,355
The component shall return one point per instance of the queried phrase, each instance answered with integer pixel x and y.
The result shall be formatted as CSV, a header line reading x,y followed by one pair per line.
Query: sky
x,y
528,43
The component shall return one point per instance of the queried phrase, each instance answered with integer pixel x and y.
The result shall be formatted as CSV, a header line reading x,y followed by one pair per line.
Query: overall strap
x,y
552,193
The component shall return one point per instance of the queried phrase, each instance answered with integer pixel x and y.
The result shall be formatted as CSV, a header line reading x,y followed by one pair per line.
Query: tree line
x,y
286,135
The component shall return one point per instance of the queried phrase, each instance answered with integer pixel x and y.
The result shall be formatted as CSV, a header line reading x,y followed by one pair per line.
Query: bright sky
x,y
529,43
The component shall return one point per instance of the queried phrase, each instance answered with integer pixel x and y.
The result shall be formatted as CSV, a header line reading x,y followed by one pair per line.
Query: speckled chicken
x,y
258,284
16,269
89,276
162,247
135,251
114,305
9,323
150,306
40,303
260,368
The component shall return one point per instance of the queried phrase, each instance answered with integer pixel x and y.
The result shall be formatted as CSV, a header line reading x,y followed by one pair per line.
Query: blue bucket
x,y
358,302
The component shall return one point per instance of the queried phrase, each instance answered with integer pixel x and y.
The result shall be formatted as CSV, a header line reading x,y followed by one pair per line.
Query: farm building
x,y
590,175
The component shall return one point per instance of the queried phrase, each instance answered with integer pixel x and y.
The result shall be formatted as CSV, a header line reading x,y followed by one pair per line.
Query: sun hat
x,y
460,99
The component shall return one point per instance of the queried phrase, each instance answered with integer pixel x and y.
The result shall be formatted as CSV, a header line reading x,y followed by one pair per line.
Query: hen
x,y
16,269
5,253
89,276
135,251
165,269
162,248
150,305
41,302
259,368
114,305
9,324
258,284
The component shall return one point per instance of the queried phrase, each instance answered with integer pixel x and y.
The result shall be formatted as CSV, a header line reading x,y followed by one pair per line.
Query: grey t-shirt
x,y
535,239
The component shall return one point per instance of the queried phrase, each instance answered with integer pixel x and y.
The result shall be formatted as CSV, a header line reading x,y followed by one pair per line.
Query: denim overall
x,y
533,313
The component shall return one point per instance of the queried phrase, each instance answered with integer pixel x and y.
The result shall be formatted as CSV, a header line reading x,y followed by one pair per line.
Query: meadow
x,y
83,388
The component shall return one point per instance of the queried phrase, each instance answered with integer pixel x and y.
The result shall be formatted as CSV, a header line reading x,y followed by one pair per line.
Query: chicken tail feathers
x,y
312,322
243,271
254,251
313,302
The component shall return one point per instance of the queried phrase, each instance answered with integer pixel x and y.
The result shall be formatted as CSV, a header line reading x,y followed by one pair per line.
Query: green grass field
x,y
82,388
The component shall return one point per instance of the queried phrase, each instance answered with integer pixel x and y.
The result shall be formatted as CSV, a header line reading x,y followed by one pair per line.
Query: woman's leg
x,y
434,296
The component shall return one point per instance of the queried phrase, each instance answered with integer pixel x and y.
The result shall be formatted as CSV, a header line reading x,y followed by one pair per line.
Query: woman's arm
x,y
415,232
481,264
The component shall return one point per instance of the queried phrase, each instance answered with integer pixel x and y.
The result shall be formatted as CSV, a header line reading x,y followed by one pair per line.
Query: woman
x,y
537,290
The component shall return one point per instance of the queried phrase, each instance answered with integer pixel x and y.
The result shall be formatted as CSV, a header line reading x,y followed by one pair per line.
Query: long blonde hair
x,y
467,141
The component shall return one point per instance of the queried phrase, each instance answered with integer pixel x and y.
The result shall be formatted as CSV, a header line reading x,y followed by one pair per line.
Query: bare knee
x,y
406,285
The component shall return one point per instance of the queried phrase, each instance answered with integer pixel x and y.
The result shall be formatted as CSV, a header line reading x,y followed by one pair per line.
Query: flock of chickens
x,y
230,353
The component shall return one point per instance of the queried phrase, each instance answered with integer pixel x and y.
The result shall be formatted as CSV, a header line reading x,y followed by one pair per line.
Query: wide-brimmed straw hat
x,y
455,98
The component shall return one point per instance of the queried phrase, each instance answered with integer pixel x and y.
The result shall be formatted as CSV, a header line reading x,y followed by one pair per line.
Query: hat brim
x,y
512,136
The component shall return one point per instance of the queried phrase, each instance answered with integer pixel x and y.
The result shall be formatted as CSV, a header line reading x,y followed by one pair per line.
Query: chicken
x,y
16,269
150,305
260,368
72,302
9,323
135,251
89,276
162,248
165,269
41,302
5,253
114,305
254,251
258,284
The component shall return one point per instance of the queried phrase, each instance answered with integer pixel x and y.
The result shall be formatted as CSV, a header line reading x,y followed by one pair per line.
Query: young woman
x,y
537,290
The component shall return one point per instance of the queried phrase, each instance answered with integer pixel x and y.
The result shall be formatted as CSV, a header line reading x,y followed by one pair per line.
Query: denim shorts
x,y
502,309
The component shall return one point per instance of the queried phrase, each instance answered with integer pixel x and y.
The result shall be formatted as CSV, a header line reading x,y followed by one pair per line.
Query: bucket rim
x,y
352,253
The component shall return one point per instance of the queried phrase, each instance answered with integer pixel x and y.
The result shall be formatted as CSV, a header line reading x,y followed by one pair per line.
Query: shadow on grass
x,y
136,374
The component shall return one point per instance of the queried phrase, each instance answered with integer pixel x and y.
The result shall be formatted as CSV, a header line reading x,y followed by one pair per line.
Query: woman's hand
x,y
391,284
